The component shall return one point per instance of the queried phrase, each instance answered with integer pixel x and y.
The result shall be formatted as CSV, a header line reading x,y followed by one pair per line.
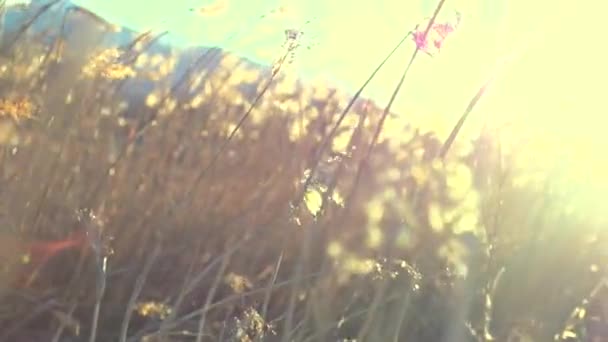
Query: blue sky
x,y
349,38
552,88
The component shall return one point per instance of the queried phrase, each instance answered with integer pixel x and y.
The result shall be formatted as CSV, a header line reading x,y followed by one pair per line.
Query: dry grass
x,y
225,216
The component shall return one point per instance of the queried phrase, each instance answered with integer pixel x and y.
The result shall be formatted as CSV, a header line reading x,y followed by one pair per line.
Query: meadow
x,y
209,199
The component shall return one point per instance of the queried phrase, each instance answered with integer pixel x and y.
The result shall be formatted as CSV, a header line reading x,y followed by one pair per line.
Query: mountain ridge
x,y
86,31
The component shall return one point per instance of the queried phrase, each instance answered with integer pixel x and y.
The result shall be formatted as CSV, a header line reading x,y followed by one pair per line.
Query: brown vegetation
x,y
211,215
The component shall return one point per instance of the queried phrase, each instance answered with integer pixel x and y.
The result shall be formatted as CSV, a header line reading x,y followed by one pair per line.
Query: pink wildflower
x,y
433,41
420,40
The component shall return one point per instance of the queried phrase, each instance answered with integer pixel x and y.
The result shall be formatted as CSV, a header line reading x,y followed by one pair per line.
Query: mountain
x,y
84,31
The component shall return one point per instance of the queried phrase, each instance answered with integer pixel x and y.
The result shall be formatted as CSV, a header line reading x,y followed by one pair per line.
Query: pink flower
x,y
420,40
431,44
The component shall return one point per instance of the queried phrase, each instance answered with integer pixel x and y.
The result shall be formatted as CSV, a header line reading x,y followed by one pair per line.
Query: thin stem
x,y
139,284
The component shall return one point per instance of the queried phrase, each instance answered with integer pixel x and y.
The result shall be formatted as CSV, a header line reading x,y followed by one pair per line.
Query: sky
x,y
558,58
552,85
344,40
